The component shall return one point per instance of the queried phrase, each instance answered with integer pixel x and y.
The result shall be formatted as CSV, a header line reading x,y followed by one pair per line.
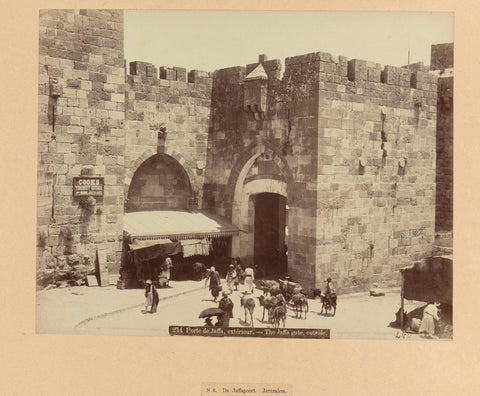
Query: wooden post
x,y
401,298
101,258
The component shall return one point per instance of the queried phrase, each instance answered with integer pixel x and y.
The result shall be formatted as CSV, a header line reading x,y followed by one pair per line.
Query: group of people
x,y
235,275
233,278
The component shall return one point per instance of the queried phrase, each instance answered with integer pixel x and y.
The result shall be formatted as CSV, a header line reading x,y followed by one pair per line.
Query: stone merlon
x,y
354,70
145,69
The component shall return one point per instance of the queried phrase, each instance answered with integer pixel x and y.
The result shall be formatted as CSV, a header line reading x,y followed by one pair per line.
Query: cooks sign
x,y
88,186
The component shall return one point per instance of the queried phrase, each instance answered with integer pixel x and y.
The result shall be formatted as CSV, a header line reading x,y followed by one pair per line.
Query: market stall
x,y
156,242
429,280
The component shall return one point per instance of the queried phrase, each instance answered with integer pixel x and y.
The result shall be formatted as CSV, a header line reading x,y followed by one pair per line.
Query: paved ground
x,y
109,311
59,310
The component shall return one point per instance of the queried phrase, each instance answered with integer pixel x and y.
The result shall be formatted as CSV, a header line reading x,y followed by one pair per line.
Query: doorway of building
x,y
270,251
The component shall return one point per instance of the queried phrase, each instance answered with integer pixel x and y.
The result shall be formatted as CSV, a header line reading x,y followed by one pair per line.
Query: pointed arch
x,y
129,173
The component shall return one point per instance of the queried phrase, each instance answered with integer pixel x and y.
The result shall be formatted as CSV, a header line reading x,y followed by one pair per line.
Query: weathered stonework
x,y
350,145
359,142
166,114
376,177
81,133
442,65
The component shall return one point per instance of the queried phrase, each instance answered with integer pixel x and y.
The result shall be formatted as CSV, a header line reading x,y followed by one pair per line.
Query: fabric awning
x,y
172,224
195,247
429,280
159,250
141,244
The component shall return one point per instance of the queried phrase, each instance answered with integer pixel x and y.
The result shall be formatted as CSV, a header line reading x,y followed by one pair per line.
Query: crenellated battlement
x,y
360,71
341,70
147,72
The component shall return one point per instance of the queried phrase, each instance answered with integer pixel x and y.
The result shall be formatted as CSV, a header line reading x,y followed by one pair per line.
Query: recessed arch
x,y
150,153
159,182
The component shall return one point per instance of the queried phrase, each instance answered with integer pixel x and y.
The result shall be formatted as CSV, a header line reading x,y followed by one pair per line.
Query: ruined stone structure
x,y
338,154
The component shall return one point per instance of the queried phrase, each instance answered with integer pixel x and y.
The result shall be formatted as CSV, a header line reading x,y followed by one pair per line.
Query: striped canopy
x,y
176,224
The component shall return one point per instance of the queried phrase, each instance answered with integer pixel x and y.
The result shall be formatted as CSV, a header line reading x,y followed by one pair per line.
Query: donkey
x,y
300,303
248,304
268,303
279,314
329,301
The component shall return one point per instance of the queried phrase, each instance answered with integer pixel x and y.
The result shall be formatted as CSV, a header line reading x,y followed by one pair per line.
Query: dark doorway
x,y
270,255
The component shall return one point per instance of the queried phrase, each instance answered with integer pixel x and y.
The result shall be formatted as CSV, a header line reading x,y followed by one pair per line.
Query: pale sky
x,y
210,40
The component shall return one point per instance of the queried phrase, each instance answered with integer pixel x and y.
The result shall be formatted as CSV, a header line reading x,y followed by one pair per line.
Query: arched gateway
x,y
259,210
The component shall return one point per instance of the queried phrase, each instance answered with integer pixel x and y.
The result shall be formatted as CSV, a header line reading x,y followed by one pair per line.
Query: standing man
x,y
151,297
226,305
231,276
248,274
238,270
165,271
214,286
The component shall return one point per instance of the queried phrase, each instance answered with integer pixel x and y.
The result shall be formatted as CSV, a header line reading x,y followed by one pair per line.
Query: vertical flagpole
x,y
408,48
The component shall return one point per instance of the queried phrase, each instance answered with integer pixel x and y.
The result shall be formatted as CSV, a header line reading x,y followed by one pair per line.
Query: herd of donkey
x,y
279,296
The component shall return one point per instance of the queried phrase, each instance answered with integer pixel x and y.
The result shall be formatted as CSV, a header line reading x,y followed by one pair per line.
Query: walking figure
x,y
249,277
231,277
226,305
238,270
151,297
213,278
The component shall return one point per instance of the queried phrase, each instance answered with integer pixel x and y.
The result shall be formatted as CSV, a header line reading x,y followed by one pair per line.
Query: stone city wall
x,y
239,134
360,147
168,112
81,133
376,170
350,143
442,65
444,200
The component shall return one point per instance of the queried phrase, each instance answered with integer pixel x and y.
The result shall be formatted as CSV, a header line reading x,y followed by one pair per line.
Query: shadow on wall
x,y
159,183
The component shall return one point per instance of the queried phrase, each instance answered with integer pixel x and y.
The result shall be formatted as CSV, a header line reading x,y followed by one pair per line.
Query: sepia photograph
x,y
275,174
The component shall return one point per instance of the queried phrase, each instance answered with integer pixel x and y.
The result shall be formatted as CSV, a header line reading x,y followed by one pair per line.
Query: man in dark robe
x,y
156,300
238,271
151,297
226,305
330,292
214,285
